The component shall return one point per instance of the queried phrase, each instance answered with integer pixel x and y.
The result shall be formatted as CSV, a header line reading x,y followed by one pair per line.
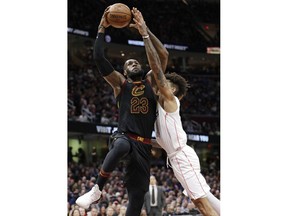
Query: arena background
x,y
34,111
191,32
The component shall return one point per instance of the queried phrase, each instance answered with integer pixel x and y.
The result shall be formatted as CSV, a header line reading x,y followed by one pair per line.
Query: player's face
x,y
132,69
174,89
172,86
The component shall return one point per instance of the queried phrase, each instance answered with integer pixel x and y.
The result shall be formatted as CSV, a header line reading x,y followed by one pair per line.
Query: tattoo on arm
x,y
160,77
155,64
160,49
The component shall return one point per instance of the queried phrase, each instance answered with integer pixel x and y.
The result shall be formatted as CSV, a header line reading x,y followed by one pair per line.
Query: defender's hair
x,y
181,83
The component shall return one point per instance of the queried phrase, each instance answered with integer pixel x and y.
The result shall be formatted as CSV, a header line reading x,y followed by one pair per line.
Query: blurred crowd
x,y
81,179
161,17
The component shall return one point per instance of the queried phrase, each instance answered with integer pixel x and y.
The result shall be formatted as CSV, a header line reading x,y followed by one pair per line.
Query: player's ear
x,y
173,88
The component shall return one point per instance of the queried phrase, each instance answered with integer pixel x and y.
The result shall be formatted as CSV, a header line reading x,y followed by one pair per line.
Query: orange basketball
x,y
119,15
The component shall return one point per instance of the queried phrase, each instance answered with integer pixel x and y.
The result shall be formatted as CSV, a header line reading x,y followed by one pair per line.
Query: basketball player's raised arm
x,y
114,78
155,65
159,47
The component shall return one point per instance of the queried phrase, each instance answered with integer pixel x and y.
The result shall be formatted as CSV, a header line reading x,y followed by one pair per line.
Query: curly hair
x,y
179,82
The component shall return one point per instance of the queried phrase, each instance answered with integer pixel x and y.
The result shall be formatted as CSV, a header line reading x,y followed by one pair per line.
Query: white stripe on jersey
x,y
169,131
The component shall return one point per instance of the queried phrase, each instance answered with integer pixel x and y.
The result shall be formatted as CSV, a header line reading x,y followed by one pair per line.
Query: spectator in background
x,y
81,156
122,211
109,211
94,211
178,210
94,155
154,200
184,206
82,211
102,211
75,212
104,199
169,210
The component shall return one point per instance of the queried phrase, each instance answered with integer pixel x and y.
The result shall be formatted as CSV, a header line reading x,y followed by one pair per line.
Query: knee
x,y
121,146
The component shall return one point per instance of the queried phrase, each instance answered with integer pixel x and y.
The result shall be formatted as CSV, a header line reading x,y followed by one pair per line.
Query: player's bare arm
x,y
113,77
160,49
166,97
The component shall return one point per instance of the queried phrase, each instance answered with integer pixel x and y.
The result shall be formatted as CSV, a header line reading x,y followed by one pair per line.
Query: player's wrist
x,y
145,36
101,28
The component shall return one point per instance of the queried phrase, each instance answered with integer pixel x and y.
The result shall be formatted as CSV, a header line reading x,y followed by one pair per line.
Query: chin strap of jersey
x,y
103,65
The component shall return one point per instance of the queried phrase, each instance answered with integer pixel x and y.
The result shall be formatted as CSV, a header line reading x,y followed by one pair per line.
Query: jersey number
x,y
139,105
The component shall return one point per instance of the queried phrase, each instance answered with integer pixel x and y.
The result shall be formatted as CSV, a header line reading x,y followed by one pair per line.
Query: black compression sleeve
x,y
103,65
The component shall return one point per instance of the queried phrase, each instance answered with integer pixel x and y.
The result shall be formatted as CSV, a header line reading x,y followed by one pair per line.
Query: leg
x,y
136,200
215,203
205,207
186,167
120,148
137,177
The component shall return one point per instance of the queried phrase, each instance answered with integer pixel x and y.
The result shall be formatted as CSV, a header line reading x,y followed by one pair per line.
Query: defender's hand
x,y
139,24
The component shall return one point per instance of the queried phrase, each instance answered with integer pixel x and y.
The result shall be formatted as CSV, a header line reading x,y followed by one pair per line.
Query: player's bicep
x,y
164,62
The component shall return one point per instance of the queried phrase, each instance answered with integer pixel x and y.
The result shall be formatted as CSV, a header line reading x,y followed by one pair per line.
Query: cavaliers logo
x,y
138,90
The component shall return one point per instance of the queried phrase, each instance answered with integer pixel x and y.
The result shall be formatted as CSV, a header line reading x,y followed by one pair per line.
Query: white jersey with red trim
x,y
169,131
183,159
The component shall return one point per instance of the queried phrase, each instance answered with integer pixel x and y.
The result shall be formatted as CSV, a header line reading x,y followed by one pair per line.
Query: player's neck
x,y
135,79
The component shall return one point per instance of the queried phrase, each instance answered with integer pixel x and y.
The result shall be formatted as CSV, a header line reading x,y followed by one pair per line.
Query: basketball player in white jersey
x,y
169,131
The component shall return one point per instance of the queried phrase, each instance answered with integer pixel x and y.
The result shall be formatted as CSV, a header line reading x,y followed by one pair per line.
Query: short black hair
x,y
180,82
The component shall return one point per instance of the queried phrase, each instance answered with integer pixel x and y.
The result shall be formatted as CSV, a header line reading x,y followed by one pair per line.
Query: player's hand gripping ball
x,y
119,15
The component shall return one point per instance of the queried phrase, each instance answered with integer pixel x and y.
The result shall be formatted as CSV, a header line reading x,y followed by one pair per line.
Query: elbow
x,y
164,56
166,53
97,57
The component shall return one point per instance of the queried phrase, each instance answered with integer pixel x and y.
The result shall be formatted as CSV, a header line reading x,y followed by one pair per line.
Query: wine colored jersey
x,y
137,108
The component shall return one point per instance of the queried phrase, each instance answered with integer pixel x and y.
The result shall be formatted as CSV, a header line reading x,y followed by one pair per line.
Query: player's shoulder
x,y
148,76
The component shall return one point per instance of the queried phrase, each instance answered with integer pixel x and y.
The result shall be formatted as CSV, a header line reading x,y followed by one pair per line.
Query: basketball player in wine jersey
x,y
137,114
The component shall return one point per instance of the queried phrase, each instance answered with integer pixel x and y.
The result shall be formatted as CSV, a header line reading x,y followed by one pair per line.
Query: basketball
x,y
119,15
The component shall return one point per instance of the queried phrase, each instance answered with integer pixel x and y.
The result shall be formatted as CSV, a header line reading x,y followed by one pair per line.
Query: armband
x,y
145,36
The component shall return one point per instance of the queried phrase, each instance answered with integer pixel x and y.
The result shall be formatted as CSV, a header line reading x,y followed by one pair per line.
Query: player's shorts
x,y
186,166
137,162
